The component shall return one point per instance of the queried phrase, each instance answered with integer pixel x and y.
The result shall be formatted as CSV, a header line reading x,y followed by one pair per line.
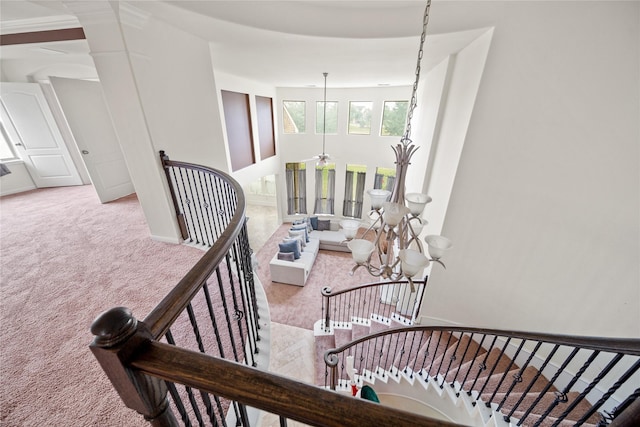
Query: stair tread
x,y
544,403
441,352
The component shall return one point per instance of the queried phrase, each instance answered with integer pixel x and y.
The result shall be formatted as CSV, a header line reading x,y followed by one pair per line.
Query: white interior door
x,y
90,122
34,133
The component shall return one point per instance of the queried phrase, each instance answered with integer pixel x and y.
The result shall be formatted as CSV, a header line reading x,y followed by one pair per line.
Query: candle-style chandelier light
x,y
395,251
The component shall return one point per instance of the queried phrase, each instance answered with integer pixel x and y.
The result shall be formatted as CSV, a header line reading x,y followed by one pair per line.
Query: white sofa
x,y
295,272
333,239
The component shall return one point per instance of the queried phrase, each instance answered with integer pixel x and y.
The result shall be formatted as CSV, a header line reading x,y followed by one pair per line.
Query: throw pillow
x,y
286,256
303,233
324,224
298,240
304,228
314,222
290,246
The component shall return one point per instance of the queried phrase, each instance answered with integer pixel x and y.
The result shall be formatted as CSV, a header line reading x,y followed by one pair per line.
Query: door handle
x,y
18,144
85,152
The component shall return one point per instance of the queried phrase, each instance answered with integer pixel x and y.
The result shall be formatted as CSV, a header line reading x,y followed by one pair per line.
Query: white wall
x,y
177,89
545,208
17,181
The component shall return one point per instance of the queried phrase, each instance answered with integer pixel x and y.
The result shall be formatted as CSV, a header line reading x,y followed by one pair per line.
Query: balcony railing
x,y
192,359
538,379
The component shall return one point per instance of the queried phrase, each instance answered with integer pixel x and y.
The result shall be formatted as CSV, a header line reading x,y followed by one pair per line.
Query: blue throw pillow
x,y
314,222
299,240
290,246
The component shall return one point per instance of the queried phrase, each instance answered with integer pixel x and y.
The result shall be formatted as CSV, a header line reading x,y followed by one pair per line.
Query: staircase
x,y
472,377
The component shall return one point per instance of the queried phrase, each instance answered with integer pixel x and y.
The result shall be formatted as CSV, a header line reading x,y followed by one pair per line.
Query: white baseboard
x,y
166,239
16,190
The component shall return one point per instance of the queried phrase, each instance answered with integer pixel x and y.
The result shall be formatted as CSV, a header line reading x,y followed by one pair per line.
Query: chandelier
x,y
396,252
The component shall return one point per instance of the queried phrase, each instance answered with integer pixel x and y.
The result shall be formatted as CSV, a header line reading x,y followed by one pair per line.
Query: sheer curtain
x,y
291,207
302,190
353,194
348,203
324,202
296,180
359,194
331,190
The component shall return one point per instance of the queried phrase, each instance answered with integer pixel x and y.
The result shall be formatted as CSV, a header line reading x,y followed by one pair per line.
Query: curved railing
x,y
538,379
397,301
192,359
213,309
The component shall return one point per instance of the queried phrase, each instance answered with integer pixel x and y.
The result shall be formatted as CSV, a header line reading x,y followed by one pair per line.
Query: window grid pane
x,y
293,116
332,117
360,117
394,118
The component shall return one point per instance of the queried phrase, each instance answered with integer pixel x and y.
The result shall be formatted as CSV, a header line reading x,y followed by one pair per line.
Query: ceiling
x,y
280,43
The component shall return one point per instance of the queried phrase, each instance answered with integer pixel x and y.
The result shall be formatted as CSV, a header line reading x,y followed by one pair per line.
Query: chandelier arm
x,y
371,227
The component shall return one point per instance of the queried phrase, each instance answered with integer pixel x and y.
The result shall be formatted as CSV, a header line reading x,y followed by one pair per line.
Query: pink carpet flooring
x,y
302,306
65,258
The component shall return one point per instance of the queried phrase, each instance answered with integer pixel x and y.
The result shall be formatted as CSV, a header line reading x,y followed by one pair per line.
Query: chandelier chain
x,y
406,139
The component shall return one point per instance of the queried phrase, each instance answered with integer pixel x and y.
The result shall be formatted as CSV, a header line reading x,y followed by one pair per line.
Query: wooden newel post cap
x,y
113,327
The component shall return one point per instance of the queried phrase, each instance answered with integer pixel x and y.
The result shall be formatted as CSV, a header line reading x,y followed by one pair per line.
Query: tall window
x,y
360,117
293,116
332,117
354,191
296,177
394,118
384,179
325,189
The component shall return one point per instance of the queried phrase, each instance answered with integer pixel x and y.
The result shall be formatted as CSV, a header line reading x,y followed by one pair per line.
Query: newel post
x,y
118,336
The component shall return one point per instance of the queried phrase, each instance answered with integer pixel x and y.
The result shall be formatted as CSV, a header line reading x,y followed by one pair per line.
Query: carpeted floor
x,y
65,258
302,306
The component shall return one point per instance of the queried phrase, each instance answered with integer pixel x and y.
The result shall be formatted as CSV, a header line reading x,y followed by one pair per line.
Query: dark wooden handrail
x,y
615,345
138,364
270,392
328,292
167,311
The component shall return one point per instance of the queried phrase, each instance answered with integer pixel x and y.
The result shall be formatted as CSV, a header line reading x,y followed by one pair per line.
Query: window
x,y
296,177
293,116
266,135
354,191
394,118
384,179
360,117
332,117
237,116
325,189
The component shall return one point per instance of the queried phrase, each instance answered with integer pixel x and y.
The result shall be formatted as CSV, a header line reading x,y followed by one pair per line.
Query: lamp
x,y
396,251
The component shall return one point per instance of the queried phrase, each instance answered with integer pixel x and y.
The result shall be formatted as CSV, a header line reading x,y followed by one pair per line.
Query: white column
x,y
101,21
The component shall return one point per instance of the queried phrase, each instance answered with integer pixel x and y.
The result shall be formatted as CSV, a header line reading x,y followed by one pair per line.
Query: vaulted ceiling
x,y
280,43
